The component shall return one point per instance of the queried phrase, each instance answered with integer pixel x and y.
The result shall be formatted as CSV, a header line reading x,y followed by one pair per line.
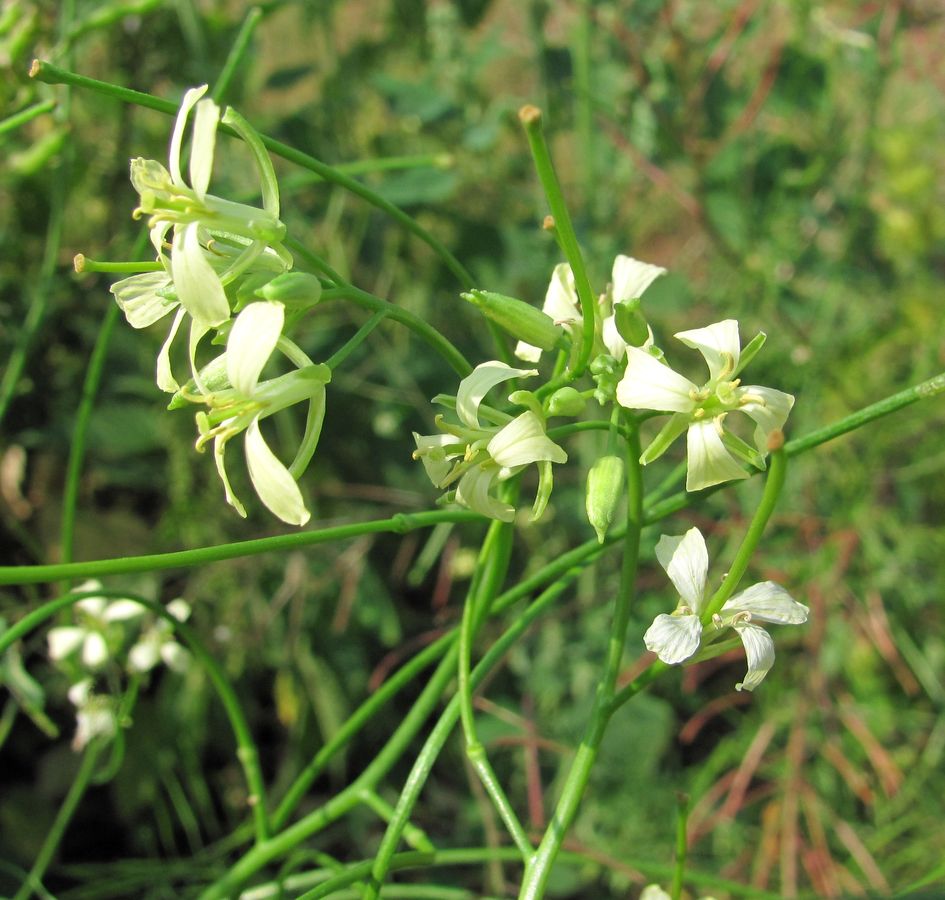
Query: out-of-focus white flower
x,y
478,457
94,714
95,618
157,643
714,453
677,638
241,406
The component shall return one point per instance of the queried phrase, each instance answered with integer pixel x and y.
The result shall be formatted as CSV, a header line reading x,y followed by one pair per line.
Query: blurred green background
x,y
782,159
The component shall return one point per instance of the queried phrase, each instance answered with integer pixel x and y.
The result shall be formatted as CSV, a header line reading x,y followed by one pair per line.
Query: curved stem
x,y
541,862
237,54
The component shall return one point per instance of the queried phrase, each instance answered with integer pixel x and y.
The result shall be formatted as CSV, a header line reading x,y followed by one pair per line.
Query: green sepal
x,y
546,483
631,325
749,352
529,401
677,424
743,451
214,378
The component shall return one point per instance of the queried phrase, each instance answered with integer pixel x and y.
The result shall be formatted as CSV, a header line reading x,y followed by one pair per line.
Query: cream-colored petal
x,y
709,462
201,151
179,608
718,343
139,298
769,409
94,650
673,638
759,650
274,485
473,493
165,378
768,602
93,607
524,441
252,340
686,561
180,124
219,452
144,655
648,384
64,641
122,610
561,299
430,452
175,657
478,383
527,352
78,693
198,286
630,278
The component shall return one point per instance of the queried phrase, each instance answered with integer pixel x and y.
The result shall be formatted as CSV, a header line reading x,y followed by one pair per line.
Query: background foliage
x,y
782,159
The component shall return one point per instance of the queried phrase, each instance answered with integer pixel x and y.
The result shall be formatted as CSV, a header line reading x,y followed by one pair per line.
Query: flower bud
x,y
519,319
299,289
604,490
631,325
565,401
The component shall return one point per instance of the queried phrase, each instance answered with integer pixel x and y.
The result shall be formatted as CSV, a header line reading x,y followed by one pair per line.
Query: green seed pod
x,y
565,401
631,325
298,289
519,319
604,490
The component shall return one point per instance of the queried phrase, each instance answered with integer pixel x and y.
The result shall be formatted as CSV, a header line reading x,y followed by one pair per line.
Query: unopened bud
x,y
213,377
292,289
566,401
604,490
631,325
519,319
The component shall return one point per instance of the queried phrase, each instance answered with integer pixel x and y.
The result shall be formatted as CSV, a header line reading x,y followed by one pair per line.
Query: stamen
x,y
728,364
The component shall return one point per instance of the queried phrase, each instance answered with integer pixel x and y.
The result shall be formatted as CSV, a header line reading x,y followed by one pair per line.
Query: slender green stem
x,y
383,164
423,329
51,74
11,123
318,265
93,378
531,119
682,846
584,99
414,836
402,523
246,747
774,482
540,864
475,610
237,54
355,341
80,783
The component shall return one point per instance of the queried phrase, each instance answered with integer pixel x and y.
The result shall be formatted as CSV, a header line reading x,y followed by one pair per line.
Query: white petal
x,y
524,441
478,383
94,650
78,694
175,656
768,407
179,609
718,343
561,299
768,602
198,286
201,152
219,448
654,892
165,378
673,638
273,483
139,300
648,384
91,722
121,610
91,606
251,342
527,352
86,587
630,278
708,461
686,561
64,640
473,492
431,454
144,655
615,344
759,649
180,124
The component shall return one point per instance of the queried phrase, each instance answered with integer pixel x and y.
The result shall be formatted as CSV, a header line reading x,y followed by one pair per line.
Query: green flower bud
x,y
631,325
299,289
604,489
565,401
519,319
213,377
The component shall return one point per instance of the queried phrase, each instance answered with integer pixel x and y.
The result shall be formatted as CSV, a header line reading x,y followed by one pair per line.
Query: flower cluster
x,y
215,256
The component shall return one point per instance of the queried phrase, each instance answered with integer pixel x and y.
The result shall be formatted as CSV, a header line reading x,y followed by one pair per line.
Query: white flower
x,y
701,411
678,637
241,407
95,714
157,643
90,637
629,279
479,457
